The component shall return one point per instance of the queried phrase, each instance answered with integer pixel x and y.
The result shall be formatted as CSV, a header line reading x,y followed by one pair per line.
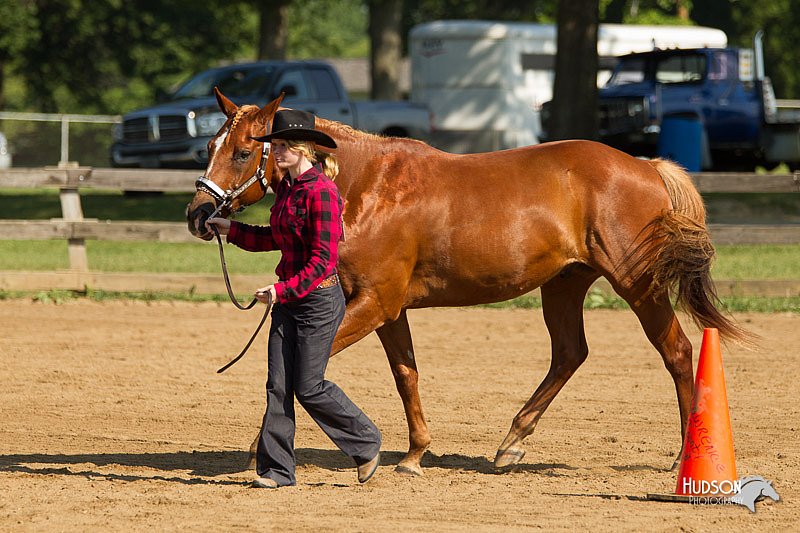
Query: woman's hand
x,y
223,225
267,294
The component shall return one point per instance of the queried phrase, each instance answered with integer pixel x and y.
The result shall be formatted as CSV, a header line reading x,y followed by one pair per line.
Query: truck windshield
x,y
628,70
681,69
233,82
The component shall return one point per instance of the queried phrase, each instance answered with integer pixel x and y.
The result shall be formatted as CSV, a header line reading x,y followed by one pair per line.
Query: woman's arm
x,y
251,238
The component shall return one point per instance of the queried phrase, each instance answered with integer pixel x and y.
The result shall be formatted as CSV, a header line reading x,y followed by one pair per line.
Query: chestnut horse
x,y
432,229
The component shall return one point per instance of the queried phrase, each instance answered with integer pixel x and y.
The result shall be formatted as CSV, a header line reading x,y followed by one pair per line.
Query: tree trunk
x,y
385,27
273,29
2,84
682,10
574,108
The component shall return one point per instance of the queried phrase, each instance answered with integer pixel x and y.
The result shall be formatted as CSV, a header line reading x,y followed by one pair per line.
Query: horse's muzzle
x,y
196,220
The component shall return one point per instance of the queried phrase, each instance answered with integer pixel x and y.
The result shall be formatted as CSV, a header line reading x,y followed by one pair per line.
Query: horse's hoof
x,y
508,458
408,469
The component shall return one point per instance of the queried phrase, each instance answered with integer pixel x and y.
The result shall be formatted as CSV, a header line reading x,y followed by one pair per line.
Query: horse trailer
x,y
484,82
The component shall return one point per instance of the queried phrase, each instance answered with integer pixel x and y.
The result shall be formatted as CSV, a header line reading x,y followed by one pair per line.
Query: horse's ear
x,y
266,113
227,107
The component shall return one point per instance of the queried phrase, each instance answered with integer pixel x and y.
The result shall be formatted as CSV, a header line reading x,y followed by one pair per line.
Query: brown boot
x,y
366,470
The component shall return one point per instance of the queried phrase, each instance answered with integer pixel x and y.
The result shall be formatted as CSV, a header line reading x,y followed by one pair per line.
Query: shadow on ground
x,y
211,464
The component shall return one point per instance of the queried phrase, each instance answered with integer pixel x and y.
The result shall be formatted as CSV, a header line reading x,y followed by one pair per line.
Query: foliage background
x,y
111,56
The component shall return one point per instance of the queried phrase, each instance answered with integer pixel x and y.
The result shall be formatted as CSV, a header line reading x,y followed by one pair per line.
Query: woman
x,y
306,226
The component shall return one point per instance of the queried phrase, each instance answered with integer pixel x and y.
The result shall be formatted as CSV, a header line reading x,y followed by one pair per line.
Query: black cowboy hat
x,y
296,125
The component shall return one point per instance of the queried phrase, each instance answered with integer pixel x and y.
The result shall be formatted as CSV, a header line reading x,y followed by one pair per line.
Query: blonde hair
x,y
330,165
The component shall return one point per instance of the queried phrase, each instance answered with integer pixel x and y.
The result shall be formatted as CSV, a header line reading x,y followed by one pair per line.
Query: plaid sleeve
x,y
323,245
251,238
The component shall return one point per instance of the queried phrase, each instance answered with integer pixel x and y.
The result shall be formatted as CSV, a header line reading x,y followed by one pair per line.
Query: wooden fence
x,y
76,229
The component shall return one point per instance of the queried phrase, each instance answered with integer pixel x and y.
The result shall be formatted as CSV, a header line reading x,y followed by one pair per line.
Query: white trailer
x,y
484,82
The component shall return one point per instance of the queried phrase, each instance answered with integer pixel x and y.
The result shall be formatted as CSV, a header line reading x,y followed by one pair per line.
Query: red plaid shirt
x,y
305,224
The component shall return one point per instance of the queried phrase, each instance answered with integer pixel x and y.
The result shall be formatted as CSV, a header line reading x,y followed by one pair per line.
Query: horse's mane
x,y
340,130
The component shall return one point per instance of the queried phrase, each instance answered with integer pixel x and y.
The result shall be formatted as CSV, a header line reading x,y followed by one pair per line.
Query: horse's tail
x,y
678,254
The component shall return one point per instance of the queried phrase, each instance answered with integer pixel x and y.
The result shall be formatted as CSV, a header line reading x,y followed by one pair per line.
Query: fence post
x,y
72,211
65,142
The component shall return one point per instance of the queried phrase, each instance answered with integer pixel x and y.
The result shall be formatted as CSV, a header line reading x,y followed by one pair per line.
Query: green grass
x,y
757,261
766,262
58,296
733,262
107,256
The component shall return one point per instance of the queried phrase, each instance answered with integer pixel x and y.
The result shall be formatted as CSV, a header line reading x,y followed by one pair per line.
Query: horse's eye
x,y
243,155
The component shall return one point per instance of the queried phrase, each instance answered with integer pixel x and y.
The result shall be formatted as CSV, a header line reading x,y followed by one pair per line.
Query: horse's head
x,y
239,168
759,487
753,488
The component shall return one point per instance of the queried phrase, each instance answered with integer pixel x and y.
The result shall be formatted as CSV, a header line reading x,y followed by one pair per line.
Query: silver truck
x,y
175,132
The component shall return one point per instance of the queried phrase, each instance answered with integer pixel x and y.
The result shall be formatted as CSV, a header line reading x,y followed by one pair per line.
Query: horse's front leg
x,y
361,316
396,339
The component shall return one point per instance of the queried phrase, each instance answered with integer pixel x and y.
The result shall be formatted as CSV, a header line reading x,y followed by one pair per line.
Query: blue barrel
x,y
681,140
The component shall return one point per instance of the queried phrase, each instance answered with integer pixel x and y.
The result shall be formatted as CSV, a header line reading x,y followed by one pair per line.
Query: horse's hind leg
x,y
662,328
396,339
562,306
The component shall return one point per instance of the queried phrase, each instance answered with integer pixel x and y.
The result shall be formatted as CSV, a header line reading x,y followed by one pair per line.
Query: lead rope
x,y
237,304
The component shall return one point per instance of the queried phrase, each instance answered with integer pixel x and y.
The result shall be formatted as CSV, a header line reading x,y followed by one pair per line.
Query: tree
x,y
780,20
108,56
17,27
574,110
385,22
327,28
273,29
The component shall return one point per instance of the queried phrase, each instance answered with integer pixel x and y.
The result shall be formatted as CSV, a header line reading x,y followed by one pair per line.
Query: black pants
x,y
300,341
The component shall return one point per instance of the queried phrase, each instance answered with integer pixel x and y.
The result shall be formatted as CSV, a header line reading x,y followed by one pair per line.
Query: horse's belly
x,y
485,283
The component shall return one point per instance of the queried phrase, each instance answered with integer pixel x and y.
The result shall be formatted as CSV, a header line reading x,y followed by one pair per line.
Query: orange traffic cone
x,y
708,464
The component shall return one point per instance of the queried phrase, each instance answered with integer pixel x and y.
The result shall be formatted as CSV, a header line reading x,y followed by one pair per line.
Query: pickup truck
x,y
722,90
175,132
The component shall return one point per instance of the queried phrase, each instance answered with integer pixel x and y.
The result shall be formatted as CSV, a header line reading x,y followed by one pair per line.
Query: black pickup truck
x,y
175,132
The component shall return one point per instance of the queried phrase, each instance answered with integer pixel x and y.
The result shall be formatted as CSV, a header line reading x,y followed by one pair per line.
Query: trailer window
x,y
681,69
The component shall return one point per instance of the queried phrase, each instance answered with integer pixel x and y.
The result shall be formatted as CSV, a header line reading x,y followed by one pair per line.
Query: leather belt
x,y
330,281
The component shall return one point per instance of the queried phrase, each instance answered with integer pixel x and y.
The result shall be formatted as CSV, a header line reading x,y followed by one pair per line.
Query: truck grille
x,y
623,115
154,128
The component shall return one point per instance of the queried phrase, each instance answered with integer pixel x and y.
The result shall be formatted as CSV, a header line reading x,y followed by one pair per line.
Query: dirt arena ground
x,y
112,418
